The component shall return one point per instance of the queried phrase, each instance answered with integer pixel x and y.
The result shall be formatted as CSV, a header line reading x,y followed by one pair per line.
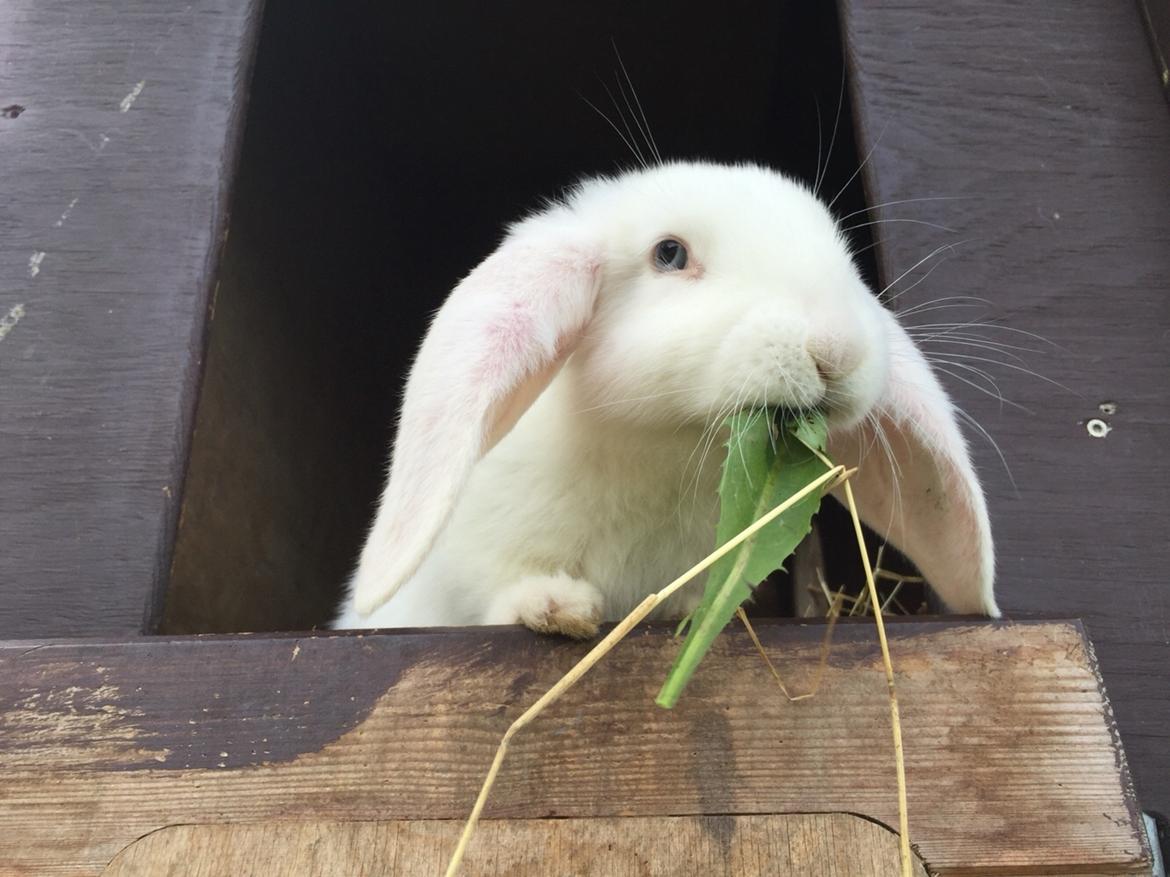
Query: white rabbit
x,y
548,468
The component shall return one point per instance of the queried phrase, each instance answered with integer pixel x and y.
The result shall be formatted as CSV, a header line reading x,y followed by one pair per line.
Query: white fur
x,y
610,370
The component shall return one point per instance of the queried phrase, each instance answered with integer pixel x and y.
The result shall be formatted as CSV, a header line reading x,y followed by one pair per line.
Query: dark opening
x,y
386,145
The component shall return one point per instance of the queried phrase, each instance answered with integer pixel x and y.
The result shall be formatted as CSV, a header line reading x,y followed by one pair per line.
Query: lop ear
x,y
492,348
923,495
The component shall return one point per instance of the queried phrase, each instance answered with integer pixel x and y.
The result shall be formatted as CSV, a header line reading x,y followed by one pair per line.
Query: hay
x,y
835,477
831,479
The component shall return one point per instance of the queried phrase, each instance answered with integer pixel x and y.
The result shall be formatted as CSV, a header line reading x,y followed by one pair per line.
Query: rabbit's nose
x,y
834,356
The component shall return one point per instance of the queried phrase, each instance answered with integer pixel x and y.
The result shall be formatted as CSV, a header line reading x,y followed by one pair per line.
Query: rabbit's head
x,y
722,288
677,294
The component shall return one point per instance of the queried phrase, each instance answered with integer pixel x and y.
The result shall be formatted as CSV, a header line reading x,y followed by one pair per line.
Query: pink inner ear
x,y
918,488
497,342
507,411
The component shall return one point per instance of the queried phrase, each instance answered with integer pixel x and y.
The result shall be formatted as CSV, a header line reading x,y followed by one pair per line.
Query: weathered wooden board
x,y
1012,763
790,845
1047,122
116,148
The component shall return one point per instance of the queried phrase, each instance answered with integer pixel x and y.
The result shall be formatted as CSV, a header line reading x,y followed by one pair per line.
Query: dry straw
x,y
835,477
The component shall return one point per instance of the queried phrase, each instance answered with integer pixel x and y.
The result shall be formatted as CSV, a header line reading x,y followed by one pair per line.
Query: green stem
x,y
698,642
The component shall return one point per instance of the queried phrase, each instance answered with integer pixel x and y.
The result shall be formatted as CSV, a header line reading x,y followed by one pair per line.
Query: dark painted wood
x,y
116,144
1046,121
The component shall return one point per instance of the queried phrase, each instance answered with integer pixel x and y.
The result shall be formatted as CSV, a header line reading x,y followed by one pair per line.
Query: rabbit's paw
x,y
549,604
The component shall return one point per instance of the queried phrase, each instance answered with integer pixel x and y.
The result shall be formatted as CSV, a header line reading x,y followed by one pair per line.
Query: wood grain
x,y
1046,123
1012,764
115,174
792,845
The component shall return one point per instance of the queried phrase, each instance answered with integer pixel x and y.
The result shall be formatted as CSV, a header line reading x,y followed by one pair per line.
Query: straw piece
x,y
836,476
895,719
834,612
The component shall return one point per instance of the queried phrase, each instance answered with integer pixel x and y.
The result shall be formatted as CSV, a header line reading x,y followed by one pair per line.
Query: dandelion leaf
x,y
764,466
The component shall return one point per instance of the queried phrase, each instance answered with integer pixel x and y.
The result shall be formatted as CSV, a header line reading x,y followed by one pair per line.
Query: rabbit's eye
x,y
670,255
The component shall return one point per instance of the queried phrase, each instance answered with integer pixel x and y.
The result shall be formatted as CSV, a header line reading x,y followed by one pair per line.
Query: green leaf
x,y
763,468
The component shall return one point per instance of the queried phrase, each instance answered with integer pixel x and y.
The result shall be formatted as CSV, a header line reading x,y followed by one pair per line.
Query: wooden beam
x,y
1012,761
116,171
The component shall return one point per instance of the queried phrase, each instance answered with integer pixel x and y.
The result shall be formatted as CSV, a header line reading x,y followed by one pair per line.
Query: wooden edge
x,y
783,845
1123,772
917,623
201,330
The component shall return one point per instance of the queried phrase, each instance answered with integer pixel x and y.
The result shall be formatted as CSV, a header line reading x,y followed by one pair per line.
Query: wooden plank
x,y
115,172
791,845
1012,763
1046,122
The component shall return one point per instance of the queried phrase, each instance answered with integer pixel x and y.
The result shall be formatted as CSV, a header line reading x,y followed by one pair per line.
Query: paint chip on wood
x,y
9,320
65,214
34,263
128,100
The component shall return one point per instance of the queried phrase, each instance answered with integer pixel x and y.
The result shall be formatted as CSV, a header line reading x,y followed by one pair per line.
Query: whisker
x,y
895,471
898,219
991,346
956,337
871,207
874,243
645,126
751,421
820,143
615,128
1018,368
833,138
924,259
982,373
712,432
707,427
973,301
633,115
929,271
864,161
683,488
630,399
626,123
997,395
920,309
999,452
984,325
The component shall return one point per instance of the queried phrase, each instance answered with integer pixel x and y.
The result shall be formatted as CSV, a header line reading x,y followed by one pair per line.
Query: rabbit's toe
x,y
550,604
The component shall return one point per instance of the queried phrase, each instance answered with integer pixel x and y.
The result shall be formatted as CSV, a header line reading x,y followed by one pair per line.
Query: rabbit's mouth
x,y
839,410
783,414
